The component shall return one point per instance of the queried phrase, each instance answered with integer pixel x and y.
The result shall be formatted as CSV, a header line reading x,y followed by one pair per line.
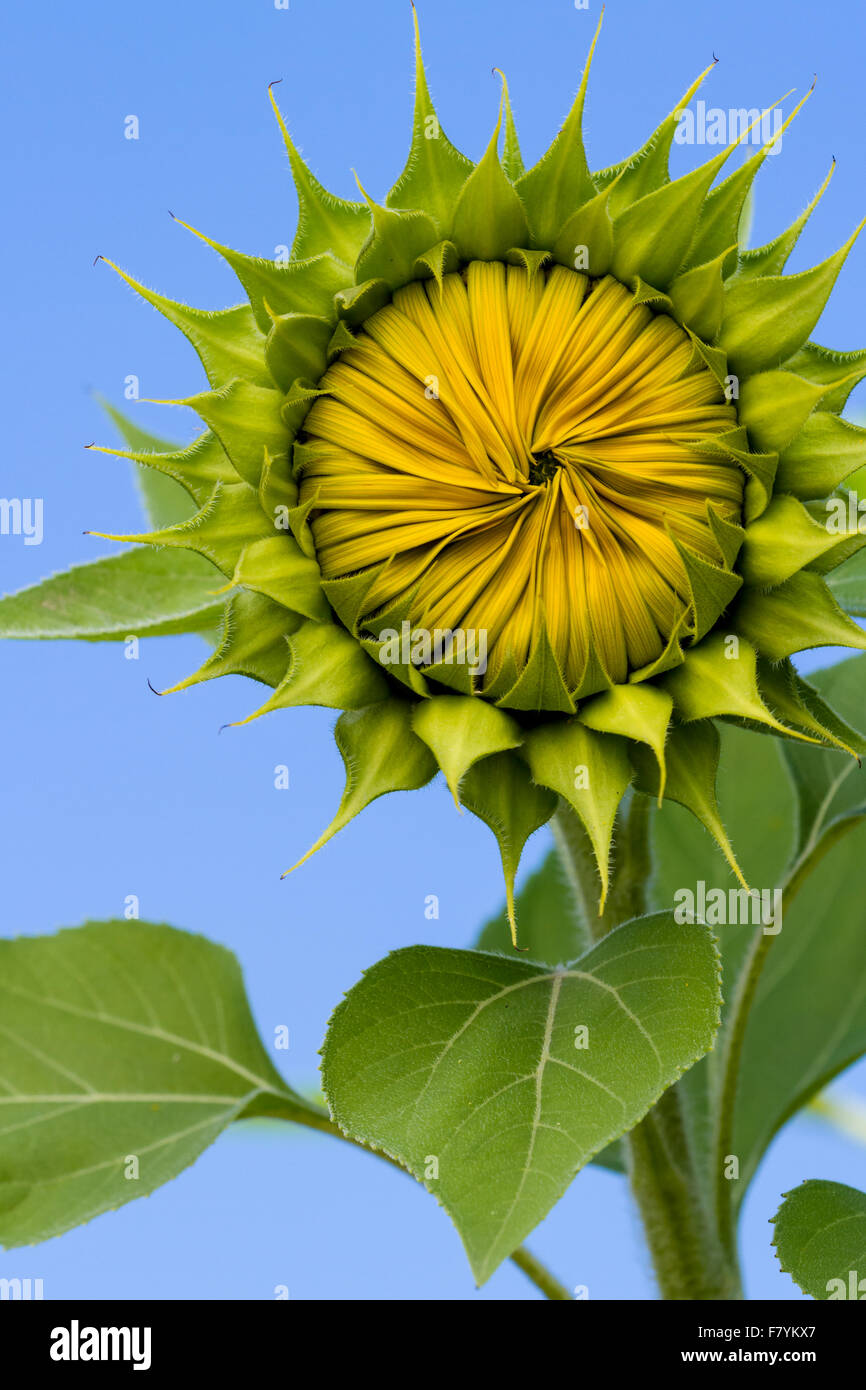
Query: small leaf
x,y
820,1239
495,1081
381,754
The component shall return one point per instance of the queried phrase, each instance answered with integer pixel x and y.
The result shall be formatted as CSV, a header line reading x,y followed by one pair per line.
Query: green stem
x,y
277,1106
688,1260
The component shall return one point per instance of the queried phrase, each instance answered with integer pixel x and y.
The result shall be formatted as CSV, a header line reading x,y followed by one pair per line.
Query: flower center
x,y
523,456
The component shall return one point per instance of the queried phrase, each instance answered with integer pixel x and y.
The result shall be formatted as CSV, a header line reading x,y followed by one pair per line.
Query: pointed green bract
x,y
560,183
381,754
435,171
489,218
459,730
590,771
498,790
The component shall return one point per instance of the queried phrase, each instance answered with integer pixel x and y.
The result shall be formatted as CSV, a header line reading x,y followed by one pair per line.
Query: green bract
x,y
674,244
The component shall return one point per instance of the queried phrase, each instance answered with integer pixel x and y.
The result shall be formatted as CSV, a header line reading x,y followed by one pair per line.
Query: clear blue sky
x,y
108,791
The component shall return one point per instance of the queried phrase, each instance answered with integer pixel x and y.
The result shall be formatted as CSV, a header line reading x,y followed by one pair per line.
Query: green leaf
x,y
125,1049
808,1019
820,1239
139,593
848,585
472,1069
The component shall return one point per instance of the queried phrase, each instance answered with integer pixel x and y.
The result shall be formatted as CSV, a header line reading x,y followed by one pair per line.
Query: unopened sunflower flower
x,y
526,472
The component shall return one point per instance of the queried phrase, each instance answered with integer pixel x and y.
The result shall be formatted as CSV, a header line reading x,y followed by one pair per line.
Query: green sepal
x,y
359,302
278,568
303,286
837,372
711,357
277,492
647,170
799,614
727,535
652,235
759,468
719,676
590,228
825,452
540,685
641,712
435,171
531,261
766,320
692,760
711,588
512,159
325,223
772,258
645,293
460,729
489,217
800,705
381,754
198,467
440,260
346,595
328,668
781,542
843,542
499,791
561,181
229,521
252,643
697,295
591,772
342,339
229,343
246,420
723,212
297,347
774,406
396,240
672,656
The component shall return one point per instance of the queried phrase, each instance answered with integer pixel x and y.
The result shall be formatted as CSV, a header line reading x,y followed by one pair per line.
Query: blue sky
x,y
115,792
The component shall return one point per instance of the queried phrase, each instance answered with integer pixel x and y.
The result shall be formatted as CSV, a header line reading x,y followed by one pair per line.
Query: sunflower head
x,y
526,472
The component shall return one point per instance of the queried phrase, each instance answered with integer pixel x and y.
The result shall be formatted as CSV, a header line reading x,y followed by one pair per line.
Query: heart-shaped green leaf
x,y
494,1081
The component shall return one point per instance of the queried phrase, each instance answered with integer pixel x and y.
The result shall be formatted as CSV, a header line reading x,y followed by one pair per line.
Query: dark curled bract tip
x,y
152,686
97,258
275,83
